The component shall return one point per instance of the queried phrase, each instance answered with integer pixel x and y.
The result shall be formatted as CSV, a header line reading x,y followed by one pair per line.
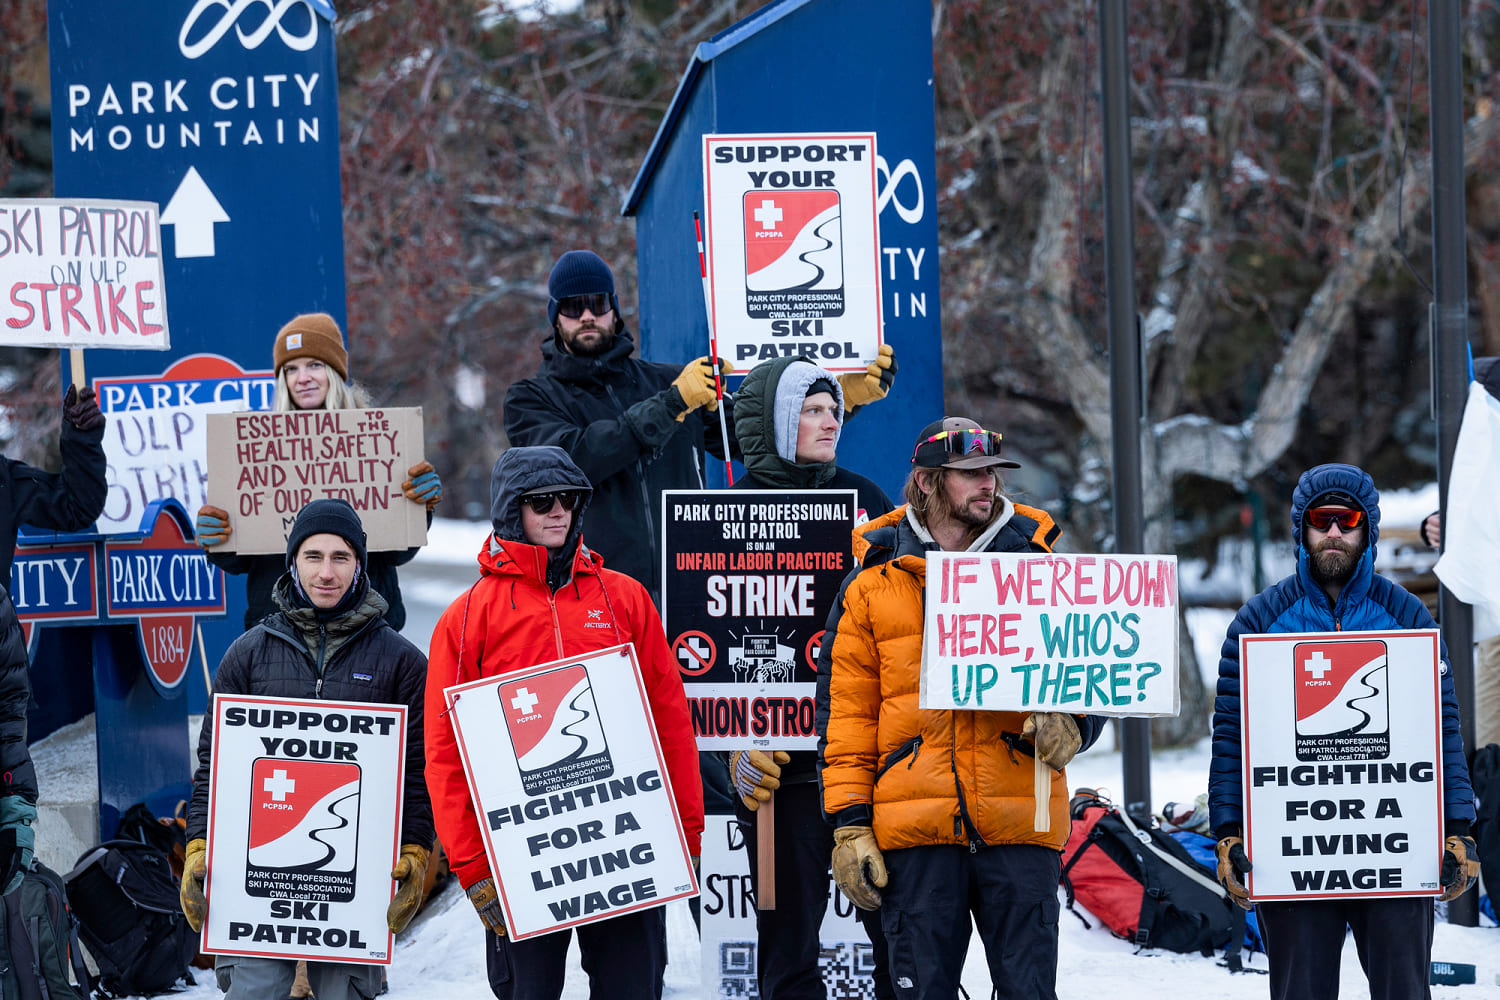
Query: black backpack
x,y
38,941
130,918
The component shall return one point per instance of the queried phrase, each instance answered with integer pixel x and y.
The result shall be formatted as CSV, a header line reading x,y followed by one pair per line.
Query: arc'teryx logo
x,y
231,14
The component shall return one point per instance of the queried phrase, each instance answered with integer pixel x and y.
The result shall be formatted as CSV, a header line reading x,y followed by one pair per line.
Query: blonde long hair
x,y
341,395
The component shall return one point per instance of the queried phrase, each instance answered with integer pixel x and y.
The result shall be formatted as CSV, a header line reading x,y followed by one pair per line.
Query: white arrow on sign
x,y
193,210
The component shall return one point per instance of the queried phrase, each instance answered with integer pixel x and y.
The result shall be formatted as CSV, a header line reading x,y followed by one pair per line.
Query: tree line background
x,y
1281,169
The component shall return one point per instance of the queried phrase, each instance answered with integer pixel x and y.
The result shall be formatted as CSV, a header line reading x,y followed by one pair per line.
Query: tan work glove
x,y
212,527
755,775
858,867
872,384
410,870
696,384
190,894
1460,866
1055,736
486,899
422,485
1234,863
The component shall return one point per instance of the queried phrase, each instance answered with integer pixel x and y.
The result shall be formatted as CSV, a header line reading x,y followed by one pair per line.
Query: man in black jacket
x,y
18,796
330,640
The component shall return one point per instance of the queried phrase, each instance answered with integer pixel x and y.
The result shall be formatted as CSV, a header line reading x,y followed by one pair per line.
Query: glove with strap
x,y
871,385
213,526
858,866
17,840
190,893
1055,737
81,409
410,870
1460,866
422,485
695,384
756,775
1234,863
486,899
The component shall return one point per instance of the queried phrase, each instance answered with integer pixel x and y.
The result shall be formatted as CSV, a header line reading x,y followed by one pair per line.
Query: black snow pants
x,y
1305,939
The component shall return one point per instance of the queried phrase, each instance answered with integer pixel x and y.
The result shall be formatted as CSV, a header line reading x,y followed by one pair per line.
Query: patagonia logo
x,y
364,677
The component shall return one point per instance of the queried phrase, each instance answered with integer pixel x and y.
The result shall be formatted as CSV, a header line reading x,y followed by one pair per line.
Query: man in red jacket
x,y
539,598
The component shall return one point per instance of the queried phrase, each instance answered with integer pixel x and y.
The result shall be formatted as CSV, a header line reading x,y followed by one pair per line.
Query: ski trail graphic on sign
x,y
794,264
325,834
555,730
1342,700
304,828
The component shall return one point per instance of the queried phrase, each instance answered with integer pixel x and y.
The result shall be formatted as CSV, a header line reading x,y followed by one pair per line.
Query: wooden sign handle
x,y
765,854
1042,786
75,359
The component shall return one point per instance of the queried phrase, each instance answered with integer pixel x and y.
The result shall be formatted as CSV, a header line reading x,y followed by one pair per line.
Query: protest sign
x,y
265,467
1048,632
573,798
1341,741
749,577
728,936
304,817
82,273
793,248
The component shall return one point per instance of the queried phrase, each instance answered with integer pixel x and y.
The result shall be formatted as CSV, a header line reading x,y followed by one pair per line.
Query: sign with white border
x,y
573,796
304,809
1341,744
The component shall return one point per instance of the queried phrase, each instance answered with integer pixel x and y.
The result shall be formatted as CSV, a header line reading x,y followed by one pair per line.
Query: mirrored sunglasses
x,y
574,305
970,441
541,503
1324,518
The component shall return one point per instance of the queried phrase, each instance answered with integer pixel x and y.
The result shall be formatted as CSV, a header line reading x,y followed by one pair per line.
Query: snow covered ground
x,y
441,954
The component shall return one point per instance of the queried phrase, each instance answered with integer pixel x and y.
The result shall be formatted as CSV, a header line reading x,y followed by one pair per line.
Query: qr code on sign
x,y
848,968
737,971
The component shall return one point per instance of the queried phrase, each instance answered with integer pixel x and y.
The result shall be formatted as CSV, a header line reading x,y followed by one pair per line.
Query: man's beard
x,y
605,341
970,516
1332,564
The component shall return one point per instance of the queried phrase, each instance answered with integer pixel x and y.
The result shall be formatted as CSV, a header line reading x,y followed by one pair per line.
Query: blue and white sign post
x,y
225,114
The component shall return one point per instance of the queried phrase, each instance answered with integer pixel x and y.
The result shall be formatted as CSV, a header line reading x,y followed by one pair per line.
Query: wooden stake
x,y
1042,785
203,659
75,358
765,854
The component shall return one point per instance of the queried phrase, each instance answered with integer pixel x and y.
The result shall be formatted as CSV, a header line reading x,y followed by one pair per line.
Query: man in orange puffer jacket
x,y
543,595
935,807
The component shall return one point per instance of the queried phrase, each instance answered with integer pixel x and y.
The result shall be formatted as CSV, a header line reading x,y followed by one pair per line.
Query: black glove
x,y
1460,866
1233,864
81,409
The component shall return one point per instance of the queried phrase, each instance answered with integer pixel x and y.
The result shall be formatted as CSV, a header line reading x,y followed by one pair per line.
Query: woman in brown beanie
x,y
312,373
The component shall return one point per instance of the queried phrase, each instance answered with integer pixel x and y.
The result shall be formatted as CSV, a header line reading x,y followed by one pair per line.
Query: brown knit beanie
x,y
312,335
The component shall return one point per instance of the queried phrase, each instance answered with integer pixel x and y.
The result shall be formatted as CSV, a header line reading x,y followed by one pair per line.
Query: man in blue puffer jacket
x,y
1336,522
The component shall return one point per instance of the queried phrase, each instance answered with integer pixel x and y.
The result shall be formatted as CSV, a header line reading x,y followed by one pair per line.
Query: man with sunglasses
x,y
934,811
1336,522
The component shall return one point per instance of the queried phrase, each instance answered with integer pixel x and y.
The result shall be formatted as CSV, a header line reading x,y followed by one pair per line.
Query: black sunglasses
x,y
541,503
964,442
573,305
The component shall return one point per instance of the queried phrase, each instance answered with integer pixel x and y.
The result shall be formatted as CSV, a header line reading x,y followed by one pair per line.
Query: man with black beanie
x,y
329,640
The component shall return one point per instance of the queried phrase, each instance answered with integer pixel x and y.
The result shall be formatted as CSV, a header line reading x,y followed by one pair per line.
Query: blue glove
x,y
17,840
423,485
213,525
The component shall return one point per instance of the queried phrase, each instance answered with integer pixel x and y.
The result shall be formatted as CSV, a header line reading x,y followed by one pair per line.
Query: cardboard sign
x,y
265,467
1341,744
1047,632
793,248
573,797
729,941
82,273
749,577
304,820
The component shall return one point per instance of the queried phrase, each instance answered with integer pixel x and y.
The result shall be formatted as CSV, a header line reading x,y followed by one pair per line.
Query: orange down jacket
x,y
923,776
510,620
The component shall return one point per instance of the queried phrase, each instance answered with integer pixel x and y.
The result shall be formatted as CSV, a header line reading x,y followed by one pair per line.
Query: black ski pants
x,y
625,958
1305,938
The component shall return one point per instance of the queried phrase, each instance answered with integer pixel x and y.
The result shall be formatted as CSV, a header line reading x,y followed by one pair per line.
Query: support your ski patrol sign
x,y
1341,737
793,248
304,815
572,795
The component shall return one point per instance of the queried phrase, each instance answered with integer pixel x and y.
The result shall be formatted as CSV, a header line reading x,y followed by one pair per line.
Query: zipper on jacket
x,y
556,625
975,840
911,748
322,652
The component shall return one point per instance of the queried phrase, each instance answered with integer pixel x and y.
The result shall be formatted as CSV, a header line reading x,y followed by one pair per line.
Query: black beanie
x,y
579,272
820,385
333,517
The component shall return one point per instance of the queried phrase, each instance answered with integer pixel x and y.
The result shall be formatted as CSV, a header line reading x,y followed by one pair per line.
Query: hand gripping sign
x,y
1341,753
304,817
572,794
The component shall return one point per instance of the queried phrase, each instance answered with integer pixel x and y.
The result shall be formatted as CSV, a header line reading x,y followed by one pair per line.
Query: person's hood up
x,y
1313,487
767,408
519,471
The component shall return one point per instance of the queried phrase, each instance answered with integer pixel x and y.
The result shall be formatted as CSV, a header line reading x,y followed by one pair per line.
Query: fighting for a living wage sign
x,y
1049,632
793,248
82,273
265,467
1341,743
749,577
572,794
304,818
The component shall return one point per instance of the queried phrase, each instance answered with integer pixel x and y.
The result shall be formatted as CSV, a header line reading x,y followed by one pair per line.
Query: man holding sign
x,y
1336,521
937,807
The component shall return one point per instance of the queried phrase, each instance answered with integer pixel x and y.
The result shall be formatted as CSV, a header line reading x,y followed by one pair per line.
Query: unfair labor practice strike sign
x,y
82,273
573,799
793,248
1341,750
304,816
1047,632
749,579
265,467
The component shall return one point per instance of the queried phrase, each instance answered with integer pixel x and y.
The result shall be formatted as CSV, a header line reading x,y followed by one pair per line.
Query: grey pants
x,y
243,978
